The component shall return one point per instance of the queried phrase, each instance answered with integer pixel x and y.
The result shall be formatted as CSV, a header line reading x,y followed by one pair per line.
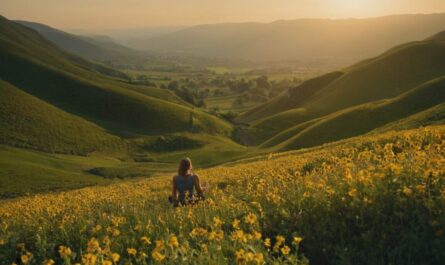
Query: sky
x,y
121,14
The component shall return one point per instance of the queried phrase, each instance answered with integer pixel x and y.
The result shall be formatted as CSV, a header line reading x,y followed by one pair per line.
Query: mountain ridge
x,y
304,39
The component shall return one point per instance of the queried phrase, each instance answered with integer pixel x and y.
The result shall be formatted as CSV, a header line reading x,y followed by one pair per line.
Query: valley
x,y
316,141
141,113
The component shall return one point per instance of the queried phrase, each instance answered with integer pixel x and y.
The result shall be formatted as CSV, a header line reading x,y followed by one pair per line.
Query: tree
x,y
262,82
173,85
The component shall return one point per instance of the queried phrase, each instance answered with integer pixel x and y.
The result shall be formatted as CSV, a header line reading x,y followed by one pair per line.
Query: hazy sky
x,y
112,14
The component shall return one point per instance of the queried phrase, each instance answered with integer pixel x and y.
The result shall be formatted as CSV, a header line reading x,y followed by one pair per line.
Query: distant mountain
x,y
127,35
301,39
100,48
60,90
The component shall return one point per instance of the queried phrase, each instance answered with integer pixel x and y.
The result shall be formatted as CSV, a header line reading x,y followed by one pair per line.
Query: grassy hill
x,y
432,116
25,172
94,48
301,39
384,76
28,122
361,119
291,98
388,75
375,199
34,65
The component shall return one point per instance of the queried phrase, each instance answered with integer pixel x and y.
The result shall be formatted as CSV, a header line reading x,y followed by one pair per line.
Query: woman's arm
x,y
174,190
199,189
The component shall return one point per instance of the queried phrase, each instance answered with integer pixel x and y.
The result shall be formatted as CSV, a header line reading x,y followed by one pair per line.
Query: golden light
x,y
354,4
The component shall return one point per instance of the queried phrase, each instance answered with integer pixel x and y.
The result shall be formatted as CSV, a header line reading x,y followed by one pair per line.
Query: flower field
x,y
377,199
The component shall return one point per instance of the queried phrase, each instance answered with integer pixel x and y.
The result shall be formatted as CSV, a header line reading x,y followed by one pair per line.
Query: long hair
x,y
184,166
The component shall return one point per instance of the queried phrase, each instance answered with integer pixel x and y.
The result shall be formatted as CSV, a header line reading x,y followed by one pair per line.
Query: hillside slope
x,y
361,119
32,64
431,116
388,75
87,47
28,122
330,204
300,39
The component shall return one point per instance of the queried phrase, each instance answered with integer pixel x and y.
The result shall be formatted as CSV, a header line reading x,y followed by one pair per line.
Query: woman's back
x,y
184,186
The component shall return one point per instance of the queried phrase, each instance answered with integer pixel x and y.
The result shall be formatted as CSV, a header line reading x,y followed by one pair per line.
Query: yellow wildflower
x,y
157,256
115,257
217,222
239,255
285,250
48,262
24,259
93,245
267,243
235,224
132,251
250,219
352,192
407,191
256,235
146,240
116,232
173,241
297,240
220,235
64,251
159,244
212,235
204,248
259,258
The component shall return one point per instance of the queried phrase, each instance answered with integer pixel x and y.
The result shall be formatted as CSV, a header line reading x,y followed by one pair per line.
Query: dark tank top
x,y
185,186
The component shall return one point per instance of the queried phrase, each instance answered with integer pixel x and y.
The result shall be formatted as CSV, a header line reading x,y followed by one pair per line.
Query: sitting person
x,y
184,183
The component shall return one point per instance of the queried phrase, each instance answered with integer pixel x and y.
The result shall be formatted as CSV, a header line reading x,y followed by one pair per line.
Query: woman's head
x,y
185,166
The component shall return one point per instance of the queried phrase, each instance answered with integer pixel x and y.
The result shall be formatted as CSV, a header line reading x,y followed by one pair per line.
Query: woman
x,y
184,183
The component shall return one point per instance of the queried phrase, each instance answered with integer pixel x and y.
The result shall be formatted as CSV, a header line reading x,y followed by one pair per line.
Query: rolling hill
x,y
28,122
65,124
36,66
386,76
97,48
431,116
300,39
364,118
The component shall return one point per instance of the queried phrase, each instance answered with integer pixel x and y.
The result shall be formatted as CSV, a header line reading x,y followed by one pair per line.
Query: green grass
x,y
388,75
26,172
217,150
291,98
361,119
431,116
28,122
225,103
36,66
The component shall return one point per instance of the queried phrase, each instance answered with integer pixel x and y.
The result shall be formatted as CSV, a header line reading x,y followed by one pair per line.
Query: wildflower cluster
x,y
362,200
